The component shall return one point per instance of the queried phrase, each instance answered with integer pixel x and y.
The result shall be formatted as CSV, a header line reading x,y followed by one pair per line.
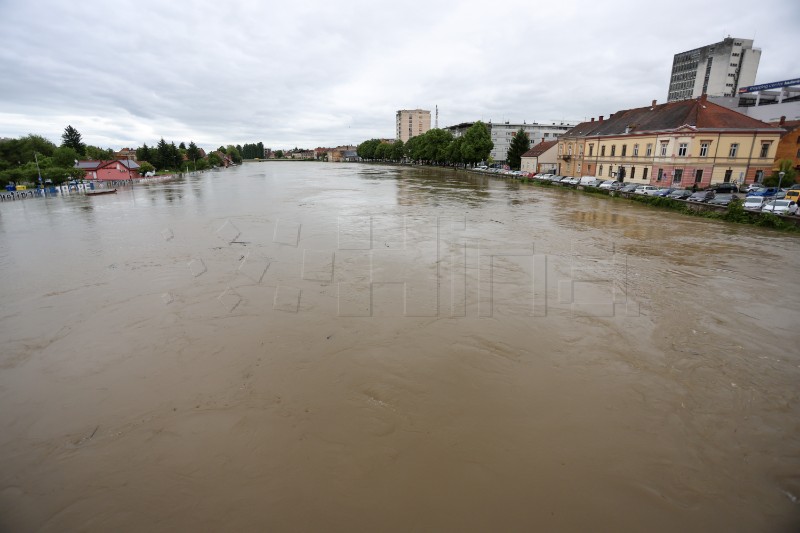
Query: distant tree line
x,y
252,151
436,147
56,164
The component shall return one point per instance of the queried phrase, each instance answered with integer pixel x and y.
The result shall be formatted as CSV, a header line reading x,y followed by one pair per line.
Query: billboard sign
x,y
773,85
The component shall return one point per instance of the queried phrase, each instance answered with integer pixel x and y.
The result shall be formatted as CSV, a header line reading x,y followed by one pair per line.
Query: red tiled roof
x,y
788,126
696,113
539,149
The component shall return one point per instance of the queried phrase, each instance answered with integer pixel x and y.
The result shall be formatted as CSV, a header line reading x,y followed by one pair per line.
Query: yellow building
x,y
678,144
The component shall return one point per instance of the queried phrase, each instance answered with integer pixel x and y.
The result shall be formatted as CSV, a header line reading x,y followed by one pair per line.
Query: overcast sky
x,y
311,73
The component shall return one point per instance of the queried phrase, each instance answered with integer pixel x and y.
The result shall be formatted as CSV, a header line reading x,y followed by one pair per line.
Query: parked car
x,y
753,187
664,192
780,207
573,181
723,199
754,203
793,194
591,181
701,196
680,194
629,188
764,191
645,189
725,188
607,184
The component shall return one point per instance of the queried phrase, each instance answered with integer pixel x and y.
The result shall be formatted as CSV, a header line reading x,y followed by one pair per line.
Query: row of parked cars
x,y
755,197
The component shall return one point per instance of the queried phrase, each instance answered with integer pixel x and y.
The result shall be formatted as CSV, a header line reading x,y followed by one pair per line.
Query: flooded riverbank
x,y
292,347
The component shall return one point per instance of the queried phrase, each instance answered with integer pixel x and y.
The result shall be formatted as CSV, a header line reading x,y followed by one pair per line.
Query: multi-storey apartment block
x,y
717,69
503,133
411,122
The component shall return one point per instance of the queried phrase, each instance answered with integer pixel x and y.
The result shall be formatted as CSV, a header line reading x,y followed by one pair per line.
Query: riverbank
x,y
733,213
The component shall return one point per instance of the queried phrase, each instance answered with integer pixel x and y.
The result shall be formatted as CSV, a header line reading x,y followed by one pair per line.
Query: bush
x,y
736,212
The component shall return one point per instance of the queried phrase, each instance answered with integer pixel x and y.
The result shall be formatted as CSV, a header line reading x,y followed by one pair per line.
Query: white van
x,y
587,180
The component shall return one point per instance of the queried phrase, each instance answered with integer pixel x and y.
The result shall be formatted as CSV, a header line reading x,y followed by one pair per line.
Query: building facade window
x,y
664,149
613,150
602,151
580,149
635,150
610,170
591,150
764,149
698,175
759,176
678,176
682,148
727,177
733,150
704,149
569,149
624,150
600,170
633,172
644,173
660,174
649,150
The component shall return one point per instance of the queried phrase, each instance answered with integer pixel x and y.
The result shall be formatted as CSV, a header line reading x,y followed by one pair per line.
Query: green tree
x,y
193,152
380,151
397,150
411,148
366,150
72,138
99,154
65,156
163,155
182,146
145,167
520,144
214,159
789,175
436,142
144,153
454,151
201,164
278,154
234,153
477,143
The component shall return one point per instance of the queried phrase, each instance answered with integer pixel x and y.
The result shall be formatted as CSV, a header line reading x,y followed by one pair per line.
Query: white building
x,y
503,133
411,122
767,102
717,69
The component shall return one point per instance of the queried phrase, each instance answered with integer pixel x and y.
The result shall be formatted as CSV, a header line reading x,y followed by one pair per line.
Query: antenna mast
x,y
436,124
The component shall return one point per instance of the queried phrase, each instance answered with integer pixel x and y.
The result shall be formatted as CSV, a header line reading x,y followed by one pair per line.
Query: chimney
x,y
653,104
592,119
601,118
783,120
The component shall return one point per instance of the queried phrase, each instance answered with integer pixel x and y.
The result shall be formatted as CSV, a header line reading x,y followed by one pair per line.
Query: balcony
x,y
565,157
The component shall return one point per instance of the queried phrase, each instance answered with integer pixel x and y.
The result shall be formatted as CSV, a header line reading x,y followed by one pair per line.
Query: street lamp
x,y
780,179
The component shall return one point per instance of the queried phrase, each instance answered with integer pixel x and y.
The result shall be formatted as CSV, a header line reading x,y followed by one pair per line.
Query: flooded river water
x,y
343,347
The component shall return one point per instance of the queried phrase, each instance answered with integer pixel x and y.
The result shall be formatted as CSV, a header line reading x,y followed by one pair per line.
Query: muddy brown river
x,y
343,347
